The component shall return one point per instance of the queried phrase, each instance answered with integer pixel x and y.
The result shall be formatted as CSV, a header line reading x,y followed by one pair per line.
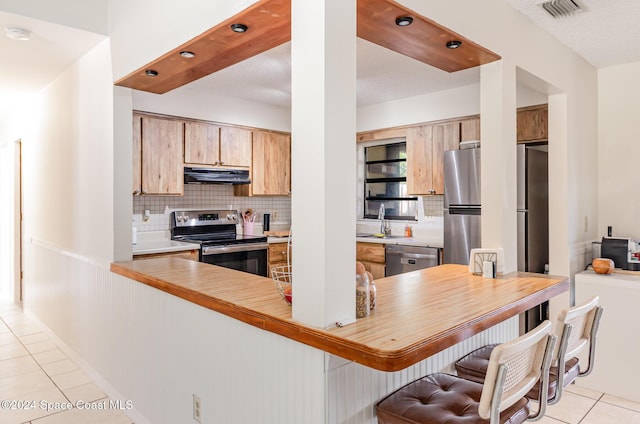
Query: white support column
x,y
323,79
559,195
498,135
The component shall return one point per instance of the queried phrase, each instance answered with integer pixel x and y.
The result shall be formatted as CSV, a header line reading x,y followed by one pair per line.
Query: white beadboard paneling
x,y
157,350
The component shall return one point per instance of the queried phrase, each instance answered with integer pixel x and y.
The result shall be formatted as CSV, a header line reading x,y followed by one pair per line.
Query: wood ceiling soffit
x,y
269,23
423,40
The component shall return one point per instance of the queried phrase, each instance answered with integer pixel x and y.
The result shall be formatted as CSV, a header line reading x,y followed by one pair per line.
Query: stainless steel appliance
x,y
533,221
215,231
461,204
617,249
216,176
533,209
401,259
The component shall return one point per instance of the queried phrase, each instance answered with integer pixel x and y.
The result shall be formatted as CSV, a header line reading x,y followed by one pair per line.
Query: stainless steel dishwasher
x,y
401,259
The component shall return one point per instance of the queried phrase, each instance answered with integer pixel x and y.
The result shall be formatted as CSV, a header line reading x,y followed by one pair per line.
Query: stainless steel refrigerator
x,y
461,204
533,221
533,209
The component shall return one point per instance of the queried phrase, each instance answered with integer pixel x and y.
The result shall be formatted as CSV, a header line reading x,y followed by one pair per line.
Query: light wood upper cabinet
x,y
532,124
213,145
235,147
426,145
137,155
162,156
470,129
270,167
419,159
201,143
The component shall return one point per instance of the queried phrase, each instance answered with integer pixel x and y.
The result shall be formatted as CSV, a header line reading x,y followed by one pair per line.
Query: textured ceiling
x,y
605,33
382,75
28,66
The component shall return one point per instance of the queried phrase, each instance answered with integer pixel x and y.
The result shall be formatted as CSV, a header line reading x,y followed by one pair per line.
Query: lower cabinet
x,y
371,255
277,255
186,254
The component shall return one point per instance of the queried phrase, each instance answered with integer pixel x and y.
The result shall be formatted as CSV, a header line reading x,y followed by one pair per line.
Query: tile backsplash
x,y
210,196
433,205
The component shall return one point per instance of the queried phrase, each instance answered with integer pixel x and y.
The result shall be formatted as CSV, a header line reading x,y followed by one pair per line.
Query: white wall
x,y
445,104
87,15
201,105
618,150
68,159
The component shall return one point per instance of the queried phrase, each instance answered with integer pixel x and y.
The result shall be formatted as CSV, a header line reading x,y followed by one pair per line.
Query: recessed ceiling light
x,y
454,44
404,21
239,28
17,33
151,73
188,55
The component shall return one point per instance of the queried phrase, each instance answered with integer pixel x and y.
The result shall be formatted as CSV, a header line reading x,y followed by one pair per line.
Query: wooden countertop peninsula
x,y
418,314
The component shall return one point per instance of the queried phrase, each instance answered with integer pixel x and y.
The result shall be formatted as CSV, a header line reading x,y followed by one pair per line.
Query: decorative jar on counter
x,y
363,295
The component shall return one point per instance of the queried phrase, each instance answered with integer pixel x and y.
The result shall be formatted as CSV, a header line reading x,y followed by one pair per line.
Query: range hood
x,y
216,176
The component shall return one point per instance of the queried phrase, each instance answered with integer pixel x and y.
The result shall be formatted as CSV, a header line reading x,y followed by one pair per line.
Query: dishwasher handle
x,y
412,255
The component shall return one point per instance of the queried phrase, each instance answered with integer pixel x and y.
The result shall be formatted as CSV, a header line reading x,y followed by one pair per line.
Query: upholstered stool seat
x,y
576,330
514,367
442,398
474,367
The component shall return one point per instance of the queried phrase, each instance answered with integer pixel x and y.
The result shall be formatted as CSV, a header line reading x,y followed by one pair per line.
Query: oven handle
x,y
216,250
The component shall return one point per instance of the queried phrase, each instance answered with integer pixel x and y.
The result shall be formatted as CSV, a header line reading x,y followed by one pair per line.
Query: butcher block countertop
x,y
418,314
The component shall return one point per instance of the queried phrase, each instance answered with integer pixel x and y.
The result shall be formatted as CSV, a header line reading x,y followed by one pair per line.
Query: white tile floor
x,y
40,381
34,369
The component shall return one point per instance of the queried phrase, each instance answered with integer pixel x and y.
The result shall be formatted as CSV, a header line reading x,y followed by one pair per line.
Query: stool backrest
x,y
514,368
582,319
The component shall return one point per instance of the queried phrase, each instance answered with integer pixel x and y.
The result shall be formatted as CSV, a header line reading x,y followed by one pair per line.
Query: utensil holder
x,y
248,228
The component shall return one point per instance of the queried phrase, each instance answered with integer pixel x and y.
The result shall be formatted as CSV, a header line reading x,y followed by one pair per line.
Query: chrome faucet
x,y
381,217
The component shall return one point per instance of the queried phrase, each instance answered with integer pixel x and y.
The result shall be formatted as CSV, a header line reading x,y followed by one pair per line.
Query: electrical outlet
x,y
274,214
197,408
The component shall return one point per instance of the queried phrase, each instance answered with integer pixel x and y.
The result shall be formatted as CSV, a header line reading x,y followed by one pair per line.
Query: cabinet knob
x,y
221,163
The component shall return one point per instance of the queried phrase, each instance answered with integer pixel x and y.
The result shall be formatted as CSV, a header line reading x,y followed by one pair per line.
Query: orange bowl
x,y
602,265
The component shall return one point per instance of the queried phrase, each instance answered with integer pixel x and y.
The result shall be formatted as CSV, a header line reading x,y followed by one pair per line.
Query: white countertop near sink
x,y
405,241
150,242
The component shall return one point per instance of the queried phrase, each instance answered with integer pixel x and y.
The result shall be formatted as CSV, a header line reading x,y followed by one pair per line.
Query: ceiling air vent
x,y
561,8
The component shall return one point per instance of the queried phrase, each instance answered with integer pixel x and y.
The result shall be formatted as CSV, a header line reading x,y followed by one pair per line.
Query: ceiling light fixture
x,y
454,44
404,21
151,73
187,55
17,33
240,28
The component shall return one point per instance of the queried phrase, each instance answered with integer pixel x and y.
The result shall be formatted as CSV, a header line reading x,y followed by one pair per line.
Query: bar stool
x,y
576,329
514,368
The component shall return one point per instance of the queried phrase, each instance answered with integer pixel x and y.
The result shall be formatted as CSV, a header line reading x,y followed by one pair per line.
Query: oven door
x,y
250,258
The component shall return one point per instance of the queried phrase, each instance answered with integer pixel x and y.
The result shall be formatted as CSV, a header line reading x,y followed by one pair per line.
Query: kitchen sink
x,y
377,236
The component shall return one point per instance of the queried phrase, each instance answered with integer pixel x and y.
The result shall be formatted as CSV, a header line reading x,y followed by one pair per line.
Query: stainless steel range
x,y
215,231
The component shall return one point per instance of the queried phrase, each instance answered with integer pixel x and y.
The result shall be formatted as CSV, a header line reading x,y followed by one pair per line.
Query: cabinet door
x,y
271,165
469,130
162,156
137,155
201,143
445,137
235,147
419,160
532,124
